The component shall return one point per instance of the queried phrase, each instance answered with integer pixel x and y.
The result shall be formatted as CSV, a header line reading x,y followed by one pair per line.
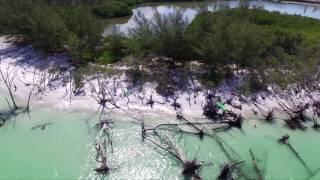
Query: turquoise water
x,y
59,151
65,150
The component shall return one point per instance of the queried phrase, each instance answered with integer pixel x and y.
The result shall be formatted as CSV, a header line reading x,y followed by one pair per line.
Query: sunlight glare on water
x,y
65,150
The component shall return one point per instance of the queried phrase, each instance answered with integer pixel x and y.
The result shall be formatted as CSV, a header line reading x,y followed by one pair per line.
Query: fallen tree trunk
x,y
255,165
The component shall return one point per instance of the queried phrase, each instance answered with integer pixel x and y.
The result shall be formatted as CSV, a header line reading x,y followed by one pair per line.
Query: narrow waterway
x,y
191,9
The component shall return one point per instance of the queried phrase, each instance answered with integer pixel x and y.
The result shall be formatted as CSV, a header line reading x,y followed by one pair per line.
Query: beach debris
x,y
102,123
7,78
101,156
151,102
294,122
190,168
285,140
41,126
104,91
228,171
316,107
2,122
14,110
214,109
199,131
255,165
175,104
296,112
268,115
315,125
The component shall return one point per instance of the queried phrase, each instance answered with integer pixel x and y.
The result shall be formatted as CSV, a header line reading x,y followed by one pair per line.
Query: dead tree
x,y
199,131
8,79
151,102
296,113
104,127
268,115
316,108
190,168
101,157
175,103
228,171
285,140
315,125
255,165
103,93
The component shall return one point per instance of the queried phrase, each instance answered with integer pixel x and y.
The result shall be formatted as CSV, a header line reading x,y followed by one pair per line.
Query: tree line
x,y
274,48
270,47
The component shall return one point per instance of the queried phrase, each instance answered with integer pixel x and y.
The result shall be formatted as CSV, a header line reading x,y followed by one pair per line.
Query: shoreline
x,y
28,74
304,2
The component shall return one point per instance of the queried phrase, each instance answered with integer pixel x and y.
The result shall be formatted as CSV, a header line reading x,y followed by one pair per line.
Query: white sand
x,y
25,67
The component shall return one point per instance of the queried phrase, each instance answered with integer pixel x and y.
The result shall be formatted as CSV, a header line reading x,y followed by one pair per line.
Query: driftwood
x,y
285,140
255,165
228,170
41,126
14,109
200,132
101,157
8,83
104,126
294,123
296,113
315,125
269,115
151,102
104,95
316,108
190,168
175,103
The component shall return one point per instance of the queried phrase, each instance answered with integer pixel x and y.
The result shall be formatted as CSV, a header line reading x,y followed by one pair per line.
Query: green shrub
x,y
52,28
267,44
112,9
163,37
114,49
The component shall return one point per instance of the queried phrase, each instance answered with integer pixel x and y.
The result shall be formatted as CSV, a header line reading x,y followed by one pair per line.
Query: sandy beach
x,y
32,71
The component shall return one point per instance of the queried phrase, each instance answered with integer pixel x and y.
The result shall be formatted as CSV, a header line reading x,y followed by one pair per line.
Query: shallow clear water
x,y
191,9
65,149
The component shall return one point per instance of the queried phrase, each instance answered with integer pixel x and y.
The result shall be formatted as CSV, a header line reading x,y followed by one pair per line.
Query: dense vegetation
x,y
74,26
51,27
273,48
61,25
269,48
280,49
